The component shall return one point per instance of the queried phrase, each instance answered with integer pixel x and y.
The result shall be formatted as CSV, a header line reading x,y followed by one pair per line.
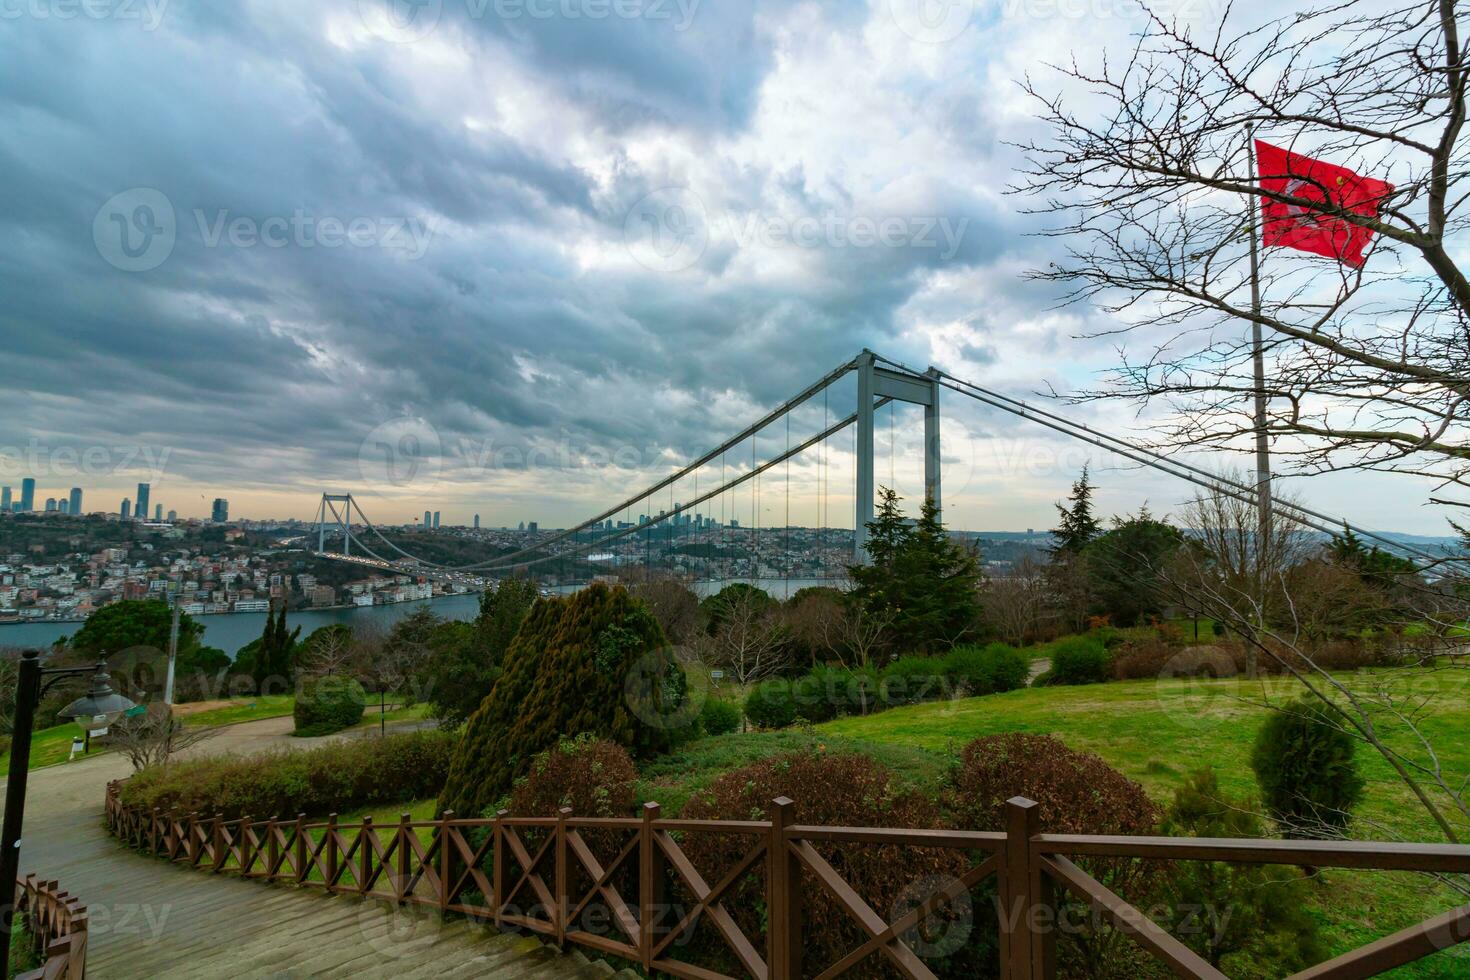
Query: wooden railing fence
x,y
546,876
58,927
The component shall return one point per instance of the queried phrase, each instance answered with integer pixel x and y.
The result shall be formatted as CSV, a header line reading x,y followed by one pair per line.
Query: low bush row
x,y
830,692
1151,657
339,777
1077,792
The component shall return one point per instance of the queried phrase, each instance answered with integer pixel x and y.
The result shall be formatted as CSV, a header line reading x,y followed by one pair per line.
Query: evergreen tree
x,y
274,665
1078,526
920,578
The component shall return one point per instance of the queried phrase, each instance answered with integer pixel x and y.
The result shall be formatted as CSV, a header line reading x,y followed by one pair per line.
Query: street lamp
x,y
93,713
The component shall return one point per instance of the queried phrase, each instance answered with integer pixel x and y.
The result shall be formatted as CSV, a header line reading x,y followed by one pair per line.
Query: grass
x,y
48,747
1157,732
238,710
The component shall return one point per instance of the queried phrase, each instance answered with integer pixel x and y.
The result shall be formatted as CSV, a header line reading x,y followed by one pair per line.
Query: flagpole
x,y
1263,447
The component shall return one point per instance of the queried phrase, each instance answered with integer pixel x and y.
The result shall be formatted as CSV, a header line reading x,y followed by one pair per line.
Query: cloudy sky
x,y
255,249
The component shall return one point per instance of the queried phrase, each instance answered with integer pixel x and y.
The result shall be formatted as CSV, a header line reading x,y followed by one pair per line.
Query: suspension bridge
x,y
880,382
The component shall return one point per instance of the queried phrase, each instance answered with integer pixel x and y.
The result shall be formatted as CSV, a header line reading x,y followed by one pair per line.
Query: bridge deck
x,y
153,919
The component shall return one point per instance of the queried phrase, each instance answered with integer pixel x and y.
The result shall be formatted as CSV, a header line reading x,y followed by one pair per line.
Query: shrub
x,y
1077,793
771,704
719,717
594,777
1155,657
1079,660
341,776
1303,761
328,704
827,692
839,789
912,680
989,670
1258,909
591,662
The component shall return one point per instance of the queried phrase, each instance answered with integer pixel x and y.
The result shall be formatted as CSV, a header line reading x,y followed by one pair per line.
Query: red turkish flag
x,y
1301,227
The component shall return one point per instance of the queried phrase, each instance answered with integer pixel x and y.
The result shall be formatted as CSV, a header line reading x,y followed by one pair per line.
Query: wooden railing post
x,y
245,857
191,837
651,908
153,833
400,886
446,858
272,848
783,894
1028,935
300,844
217,843
364,854
497,873
331,875
559,893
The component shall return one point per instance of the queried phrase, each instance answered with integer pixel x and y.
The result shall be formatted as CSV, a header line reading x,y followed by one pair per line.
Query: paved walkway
x,y
153,919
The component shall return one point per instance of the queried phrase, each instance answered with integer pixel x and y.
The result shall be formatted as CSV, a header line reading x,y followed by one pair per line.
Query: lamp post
x,y
93,713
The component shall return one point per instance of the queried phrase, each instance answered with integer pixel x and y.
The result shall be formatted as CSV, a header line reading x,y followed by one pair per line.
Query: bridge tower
x,y
880,383
342,520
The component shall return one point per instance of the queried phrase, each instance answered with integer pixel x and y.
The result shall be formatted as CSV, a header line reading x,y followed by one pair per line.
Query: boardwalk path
x,y
153,919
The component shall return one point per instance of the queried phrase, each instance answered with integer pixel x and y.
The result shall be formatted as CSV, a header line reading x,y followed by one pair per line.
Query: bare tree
x,y
153,737
1365,367
750,641
1014,603
672,603
1262,608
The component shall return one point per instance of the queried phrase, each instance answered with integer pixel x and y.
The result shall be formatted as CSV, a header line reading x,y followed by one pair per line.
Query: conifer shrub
x,y
992,669
719,717
327,704
771,704
1304,764
1255,912
831,789
593,662
1080,660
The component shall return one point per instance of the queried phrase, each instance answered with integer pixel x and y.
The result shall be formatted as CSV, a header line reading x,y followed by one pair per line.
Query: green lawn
x,y
48,747
1159,731
243,709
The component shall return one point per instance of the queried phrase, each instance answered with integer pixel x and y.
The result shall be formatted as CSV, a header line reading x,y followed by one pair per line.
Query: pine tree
x,y
918,577
1079,526
274,662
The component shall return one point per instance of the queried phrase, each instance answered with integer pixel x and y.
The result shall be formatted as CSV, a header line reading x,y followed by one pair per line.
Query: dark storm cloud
x,y
266,366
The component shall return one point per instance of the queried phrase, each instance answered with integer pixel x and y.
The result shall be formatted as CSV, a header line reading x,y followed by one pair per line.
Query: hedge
x,y
328,704
341,776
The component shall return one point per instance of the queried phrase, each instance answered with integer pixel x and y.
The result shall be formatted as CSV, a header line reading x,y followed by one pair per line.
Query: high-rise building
x,y
220,512
141,501
63,506
436,520
76,501
428,519
5,499
158,512
533,527
477,522
173,515
50,505
127,509
28,494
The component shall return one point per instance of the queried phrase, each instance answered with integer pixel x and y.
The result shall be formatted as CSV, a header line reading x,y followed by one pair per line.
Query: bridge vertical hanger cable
x,y
787,546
